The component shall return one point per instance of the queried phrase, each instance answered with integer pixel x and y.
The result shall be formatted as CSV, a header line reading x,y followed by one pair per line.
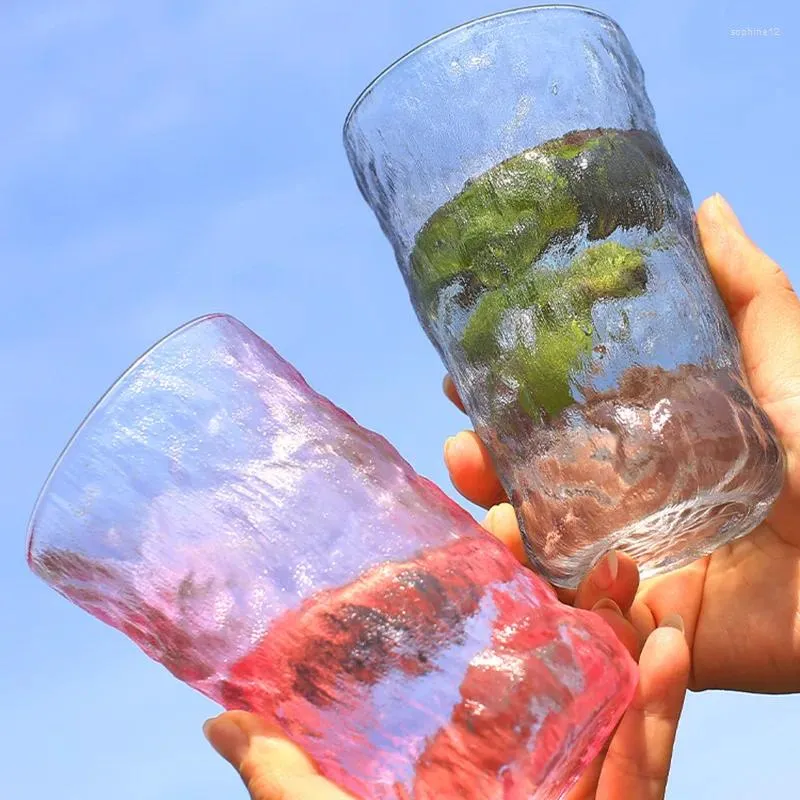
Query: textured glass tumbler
x,y
549,246
270,552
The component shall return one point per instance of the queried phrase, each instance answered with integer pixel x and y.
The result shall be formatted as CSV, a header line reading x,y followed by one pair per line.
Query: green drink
x,y
479,248
549,247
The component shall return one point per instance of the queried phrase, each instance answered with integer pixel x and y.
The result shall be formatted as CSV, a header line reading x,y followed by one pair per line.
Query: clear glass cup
x,y
549,247
255,540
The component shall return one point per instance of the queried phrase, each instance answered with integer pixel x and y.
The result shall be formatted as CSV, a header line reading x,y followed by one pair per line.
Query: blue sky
x,y
160,160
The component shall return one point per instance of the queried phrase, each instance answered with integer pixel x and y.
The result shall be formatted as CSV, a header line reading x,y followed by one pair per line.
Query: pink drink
x,y
317,668
271,553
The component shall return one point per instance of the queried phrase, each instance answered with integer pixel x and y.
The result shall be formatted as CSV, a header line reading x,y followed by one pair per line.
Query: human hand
x,y
637,759
634,764
740,605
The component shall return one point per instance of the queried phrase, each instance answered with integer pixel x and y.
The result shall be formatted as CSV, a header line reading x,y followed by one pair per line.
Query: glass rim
x,y
107,395
424,45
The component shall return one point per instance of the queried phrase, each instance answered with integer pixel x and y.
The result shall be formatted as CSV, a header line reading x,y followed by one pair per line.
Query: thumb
x,y
272,767
761,302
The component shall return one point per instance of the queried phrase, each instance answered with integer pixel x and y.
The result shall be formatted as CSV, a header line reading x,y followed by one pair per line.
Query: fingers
x,y
615,577
623,628
613,584
501,522
468,461
451,393
629,636
471,469
609,590
639,755
272,767
759,296
740,269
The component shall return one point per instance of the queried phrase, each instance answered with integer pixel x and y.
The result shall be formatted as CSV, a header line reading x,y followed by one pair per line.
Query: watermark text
x,y
755,33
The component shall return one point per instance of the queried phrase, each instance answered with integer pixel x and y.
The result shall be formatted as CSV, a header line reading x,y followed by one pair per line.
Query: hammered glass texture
x,y
549,247
270,552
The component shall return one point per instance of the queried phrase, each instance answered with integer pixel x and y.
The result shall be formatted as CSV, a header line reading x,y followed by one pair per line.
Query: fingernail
x,y
487,522
607,571
227,738
608,605
448,445
673,621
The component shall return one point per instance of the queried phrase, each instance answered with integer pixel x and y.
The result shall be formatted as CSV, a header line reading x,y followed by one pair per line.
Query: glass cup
x,y
255,540
549,247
